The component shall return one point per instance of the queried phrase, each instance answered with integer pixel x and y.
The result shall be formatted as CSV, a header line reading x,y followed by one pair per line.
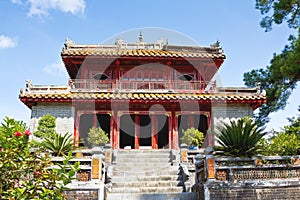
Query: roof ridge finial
x,y
140,37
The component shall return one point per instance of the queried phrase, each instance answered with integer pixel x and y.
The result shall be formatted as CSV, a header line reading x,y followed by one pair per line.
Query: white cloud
x,y
41,7
7,42
17,1
56,69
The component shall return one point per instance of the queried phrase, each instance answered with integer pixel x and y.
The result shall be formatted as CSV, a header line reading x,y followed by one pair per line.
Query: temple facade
x,y
142,94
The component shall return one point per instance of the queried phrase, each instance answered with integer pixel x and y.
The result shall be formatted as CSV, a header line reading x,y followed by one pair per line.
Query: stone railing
x,y
260,177
240,169
125,85
90,179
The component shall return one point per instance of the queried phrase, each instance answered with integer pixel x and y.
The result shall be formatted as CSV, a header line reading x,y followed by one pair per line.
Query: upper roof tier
x,y
142,49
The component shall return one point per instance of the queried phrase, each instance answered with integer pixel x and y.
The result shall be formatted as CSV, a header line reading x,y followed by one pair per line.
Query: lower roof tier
x,y
253,99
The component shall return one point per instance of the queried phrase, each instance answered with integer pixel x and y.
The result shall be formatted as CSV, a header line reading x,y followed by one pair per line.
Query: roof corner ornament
x,y
217,44
140,37
28,85
69,43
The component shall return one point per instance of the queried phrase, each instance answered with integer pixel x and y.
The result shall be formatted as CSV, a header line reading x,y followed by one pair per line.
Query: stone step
x,y
146,184
144,172
139,151
146,190
143,160
143,166
141,156
146,178
139,196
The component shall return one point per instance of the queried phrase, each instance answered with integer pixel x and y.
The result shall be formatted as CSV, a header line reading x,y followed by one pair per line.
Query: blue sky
x,y
32,34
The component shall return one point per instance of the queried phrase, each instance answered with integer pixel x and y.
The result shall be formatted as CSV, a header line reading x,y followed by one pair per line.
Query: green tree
x,y
192,136
26,175
284,144
239,138
281,76
287,142
46,127
278,11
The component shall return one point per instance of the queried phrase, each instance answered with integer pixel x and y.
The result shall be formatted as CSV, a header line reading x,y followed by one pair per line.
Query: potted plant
x,y
193,138
97,137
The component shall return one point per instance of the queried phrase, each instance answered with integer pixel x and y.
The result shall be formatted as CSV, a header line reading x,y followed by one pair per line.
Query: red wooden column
x,y
174,136
170,129
116,131
111,134
154,132
137,131
191,121
118,74
76,129
115,127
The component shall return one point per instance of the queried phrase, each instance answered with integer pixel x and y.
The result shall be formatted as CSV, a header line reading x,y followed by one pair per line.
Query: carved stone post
x,y
97,158
183,153
210,163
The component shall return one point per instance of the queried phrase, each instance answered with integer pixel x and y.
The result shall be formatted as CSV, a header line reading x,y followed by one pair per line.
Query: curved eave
x,y
254,100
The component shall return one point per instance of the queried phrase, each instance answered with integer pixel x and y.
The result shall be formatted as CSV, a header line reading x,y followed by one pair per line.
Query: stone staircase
x,y
145,175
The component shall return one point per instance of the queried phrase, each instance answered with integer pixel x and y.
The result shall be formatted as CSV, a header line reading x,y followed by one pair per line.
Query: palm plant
x,y
239,138
59,145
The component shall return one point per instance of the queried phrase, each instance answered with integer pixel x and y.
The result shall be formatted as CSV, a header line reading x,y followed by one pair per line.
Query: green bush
x,y
25,174
97,137
239,138
192,136
284,144
46,127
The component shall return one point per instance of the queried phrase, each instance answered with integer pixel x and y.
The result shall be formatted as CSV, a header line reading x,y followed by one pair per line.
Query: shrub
x,y
26,175
239,138
284,144
192,136
97,137
46,127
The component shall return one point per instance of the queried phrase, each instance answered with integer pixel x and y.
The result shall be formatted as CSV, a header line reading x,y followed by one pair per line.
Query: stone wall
x,y
227,112
249,193
63,112
82,194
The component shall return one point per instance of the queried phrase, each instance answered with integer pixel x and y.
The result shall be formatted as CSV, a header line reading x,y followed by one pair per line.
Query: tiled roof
x,y
143,96
141,50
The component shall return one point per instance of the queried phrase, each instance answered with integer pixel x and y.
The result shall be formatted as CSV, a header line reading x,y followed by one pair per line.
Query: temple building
x,y
142,94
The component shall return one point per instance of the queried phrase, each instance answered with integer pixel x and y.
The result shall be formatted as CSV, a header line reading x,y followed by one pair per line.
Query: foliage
x,y
97,136
46,127
239,138
281,10
294,127
281,76
284,144
278,80
26,175
192,136
59,145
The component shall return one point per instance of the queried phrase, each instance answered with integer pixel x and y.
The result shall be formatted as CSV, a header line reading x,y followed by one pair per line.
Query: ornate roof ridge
x,y
140,45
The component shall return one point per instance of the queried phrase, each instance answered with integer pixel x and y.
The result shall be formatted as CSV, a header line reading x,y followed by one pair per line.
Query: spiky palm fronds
x,y
239,138
59,145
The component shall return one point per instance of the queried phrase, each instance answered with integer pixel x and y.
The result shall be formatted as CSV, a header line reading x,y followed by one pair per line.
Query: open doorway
x,y
127,131
88,121
192,120
145,131
163,132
